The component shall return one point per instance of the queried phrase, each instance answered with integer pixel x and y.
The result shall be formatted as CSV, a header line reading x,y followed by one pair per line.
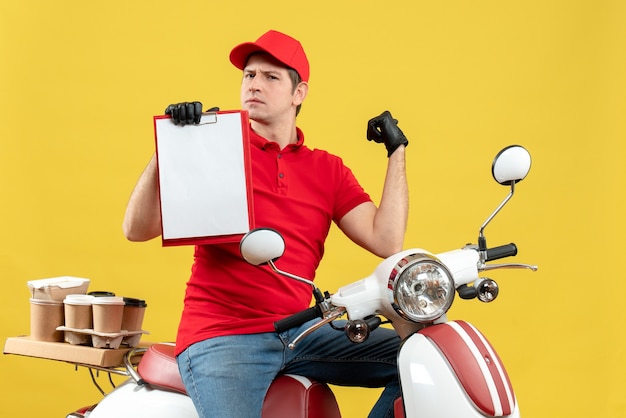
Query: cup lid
x,y
62,282
78,299
101,293
140,303
45,302
108,300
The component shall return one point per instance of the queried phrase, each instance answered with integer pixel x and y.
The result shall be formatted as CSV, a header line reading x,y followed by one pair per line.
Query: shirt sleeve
x,y
349,194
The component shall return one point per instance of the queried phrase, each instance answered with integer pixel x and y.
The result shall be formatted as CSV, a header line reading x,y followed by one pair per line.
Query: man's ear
x,y
300,93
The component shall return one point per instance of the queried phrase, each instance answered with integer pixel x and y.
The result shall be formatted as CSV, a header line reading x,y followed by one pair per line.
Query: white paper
x,y
202,177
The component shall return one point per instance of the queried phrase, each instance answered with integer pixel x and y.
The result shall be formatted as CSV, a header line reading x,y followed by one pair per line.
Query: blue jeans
x,y
229,376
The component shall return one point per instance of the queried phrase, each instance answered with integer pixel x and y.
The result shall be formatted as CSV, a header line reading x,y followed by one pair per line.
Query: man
x,y
227,350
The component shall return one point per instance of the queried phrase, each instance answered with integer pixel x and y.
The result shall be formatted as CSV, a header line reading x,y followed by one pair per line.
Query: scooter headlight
x,y
421,288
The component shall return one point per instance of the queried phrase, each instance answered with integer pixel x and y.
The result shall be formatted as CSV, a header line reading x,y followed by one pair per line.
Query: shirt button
x,y
281,175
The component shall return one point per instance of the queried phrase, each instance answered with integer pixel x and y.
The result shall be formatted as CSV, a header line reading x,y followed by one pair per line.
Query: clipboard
x,y
204,177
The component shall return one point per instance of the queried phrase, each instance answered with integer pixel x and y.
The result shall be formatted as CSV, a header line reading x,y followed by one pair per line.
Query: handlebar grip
x,y
298,319
508,250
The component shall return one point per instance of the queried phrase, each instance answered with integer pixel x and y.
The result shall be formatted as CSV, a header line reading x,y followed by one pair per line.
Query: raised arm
x,y
381,229
142,220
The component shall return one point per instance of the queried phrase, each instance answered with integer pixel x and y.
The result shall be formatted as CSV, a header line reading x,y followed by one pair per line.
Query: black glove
x,y
384,128
185,113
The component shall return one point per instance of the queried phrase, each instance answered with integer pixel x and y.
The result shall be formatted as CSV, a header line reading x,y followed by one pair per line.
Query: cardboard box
x,y
66,352
56,288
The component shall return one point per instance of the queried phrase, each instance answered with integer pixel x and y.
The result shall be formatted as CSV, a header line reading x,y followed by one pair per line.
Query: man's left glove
x,y
384,128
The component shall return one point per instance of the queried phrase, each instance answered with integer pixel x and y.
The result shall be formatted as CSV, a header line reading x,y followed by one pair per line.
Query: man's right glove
x,y
185,113
384,128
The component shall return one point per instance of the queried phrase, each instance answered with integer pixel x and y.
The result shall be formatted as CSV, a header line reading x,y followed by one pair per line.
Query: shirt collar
x,y
260,142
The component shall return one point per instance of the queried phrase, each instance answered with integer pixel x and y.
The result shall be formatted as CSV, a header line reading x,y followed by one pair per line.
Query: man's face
x,y
267,92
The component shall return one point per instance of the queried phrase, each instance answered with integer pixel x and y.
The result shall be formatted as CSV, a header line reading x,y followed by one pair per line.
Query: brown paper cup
x,y
78,311
45,317
107,314
134,310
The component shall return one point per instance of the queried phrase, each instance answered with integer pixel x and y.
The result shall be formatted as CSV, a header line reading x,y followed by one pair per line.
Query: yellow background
x,y
80,82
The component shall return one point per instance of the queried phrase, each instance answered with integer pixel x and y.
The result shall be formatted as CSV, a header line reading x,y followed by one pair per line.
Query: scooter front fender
x,y
130,400
451,370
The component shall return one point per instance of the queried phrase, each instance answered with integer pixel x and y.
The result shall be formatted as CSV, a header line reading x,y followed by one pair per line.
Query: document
x,y
204,179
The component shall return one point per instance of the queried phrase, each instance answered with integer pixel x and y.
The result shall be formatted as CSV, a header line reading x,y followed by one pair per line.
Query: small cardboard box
x,y
78,354
56,288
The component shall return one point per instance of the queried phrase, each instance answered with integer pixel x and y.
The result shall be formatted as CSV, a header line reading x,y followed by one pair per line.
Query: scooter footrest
x,y
398,408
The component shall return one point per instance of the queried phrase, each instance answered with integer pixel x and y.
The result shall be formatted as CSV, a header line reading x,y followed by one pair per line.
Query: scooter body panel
x,y
446,375
130,400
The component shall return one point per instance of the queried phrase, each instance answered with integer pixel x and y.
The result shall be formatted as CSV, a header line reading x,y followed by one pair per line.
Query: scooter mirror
x,y
261,245
511,165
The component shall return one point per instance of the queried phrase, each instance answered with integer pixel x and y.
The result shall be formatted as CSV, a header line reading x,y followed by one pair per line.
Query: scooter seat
x,y
158,368
289,396
292,396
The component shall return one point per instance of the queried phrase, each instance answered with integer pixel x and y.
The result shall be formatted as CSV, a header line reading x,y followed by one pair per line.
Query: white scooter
x,y
446,368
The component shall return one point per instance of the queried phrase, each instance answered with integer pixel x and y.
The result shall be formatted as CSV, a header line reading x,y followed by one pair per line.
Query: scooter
x,y
446,368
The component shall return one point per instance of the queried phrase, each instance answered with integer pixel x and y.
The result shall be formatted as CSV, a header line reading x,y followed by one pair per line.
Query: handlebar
x,y
508,250
298,319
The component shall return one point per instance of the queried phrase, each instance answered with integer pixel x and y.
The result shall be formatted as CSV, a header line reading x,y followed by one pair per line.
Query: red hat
x,y
284,48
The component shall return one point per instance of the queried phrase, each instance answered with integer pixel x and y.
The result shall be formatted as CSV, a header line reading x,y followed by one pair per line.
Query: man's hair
x,y
295,80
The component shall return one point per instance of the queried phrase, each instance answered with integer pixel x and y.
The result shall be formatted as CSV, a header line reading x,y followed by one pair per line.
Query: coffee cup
x,y
45,317
107,314
134,310
78,311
